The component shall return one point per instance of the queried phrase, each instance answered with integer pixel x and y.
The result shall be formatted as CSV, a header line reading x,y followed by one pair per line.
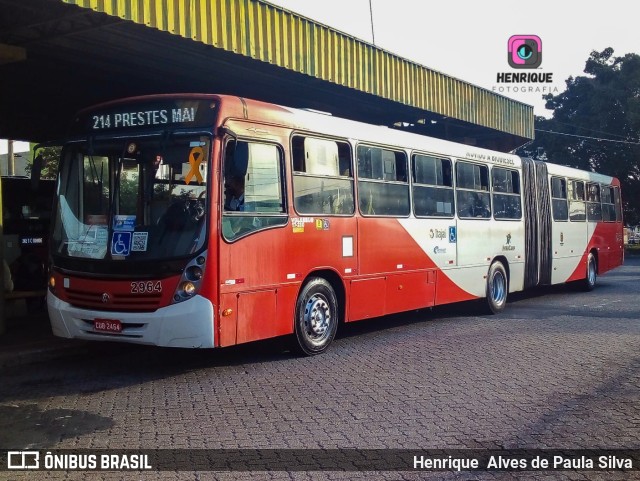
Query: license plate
x,y
107,325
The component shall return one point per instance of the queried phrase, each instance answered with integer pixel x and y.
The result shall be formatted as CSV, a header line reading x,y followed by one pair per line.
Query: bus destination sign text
x,y
145,118
151,114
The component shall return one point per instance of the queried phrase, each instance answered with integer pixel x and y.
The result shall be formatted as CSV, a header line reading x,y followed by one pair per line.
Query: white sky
x,y
17,147
467,39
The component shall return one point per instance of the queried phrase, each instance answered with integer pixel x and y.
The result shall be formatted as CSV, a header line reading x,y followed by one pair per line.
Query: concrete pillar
x,y
11,161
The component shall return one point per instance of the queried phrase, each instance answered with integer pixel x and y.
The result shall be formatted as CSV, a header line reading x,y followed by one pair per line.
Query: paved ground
x,y
559,369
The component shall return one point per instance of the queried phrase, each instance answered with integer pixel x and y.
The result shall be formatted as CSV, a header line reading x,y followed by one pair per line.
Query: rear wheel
x,y
497,288
589,282
316,317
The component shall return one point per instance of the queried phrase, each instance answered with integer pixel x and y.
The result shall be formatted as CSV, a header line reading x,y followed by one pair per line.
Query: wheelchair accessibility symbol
x,y
452,234
121,243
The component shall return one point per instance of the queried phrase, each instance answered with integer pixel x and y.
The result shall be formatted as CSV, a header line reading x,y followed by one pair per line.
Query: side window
x,y
559,198
577,208
322,176
432,186
383,187
472,190
594,209
253,188
608,204
616,192
506,193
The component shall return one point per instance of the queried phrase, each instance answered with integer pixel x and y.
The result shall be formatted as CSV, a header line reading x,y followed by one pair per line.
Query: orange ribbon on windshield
x,y
196,156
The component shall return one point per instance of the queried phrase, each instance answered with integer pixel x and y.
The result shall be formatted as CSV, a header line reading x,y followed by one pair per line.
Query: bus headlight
x,y
189,288
191,279
193,273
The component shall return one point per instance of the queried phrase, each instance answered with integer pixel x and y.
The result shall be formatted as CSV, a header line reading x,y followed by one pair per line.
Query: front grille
x,y
148,302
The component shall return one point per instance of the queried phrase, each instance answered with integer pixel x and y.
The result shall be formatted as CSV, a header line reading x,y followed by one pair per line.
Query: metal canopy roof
x,y
57,56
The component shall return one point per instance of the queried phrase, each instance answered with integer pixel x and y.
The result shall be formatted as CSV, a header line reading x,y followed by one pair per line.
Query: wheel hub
x,y
317,316
592,272
498,288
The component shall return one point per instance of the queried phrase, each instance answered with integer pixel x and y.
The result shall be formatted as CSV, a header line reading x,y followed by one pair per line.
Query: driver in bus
x,y
234,193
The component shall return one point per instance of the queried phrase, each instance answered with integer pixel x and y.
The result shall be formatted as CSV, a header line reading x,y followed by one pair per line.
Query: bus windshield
x,y
134,198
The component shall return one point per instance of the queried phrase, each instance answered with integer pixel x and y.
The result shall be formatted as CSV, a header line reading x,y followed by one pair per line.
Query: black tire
x,y
591,274
497,288
316,320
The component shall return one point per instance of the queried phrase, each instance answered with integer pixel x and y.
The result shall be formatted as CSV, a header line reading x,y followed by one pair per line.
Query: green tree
x,y
50,162
596,124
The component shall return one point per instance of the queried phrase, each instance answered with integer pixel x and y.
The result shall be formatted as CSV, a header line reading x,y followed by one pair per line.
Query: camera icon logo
x,y
524,51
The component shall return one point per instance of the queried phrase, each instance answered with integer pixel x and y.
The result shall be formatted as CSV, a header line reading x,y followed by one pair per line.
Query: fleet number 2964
x,y
146,287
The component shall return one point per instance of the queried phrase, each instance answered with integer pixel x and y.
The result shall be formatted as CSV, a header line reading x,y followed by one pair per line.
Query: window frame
x,y
284,215
296,173
360,179
574,198
593,206
618,202
442,187
486,192
611,205
495,193
565,198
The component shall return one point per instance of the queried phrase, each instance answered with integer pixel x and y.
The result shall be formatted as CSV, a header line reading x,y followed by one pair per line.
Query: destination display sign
x,y
149,114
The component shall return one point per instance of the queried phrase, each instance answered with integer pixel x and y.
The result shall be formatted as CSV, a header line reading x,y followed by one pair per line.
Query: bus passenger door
x,y
252,257
570,237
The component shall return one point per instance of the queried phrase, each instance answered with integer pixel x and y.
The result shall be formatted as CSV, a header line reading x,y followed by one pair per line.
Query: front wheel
x,y
497,288
589,282
316,317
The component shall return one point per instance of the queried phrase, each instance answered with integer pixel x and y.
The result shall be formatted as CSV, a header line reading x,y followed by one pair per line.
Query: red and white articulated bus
x,y
210,220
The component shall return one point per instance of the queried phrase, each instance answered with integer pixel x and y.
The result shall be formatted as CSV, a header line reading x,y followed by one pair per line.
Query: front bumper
x,y
186,324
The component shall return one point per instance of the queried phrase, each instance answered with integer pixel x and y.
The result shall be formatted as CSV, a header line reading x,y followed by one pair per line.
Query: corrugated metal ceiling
x,y
76,53
270,34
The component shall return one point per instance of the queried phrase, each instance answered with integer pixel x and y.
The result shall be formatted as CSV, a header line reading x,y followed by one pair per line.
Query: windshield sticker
x,y
89,250
139,242
92,244
102,235
124,222
196,156
121,244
